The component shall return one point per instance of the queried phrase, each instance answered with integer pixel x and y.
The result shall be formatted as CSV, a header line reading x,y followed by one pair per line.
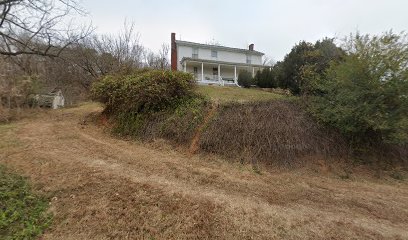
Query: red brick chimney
x,y
173,52
251,47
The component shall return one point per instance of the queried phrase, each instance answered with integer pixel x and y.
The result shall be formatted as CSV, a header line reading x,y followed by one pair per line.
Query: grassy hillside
x,y
230,94
247,125
102,187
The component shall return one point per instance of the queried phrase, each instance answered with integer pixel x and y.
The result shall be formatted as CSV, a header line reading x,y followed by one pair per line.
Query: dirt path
x,y
105,188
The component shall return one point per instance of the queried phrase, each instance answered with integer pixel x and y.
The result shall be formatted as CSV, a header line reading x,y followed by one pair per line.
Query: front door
x,y
215,73
196,73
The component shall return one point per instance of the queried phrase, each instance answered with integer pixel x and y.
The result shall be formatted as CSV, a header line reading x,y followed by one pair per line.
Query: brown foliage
x,y
270,132
4,114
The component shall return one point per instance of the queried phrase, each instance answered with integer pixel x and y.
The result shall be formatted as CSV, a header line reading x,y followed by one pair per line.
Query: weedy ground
x,y
105,188
23,213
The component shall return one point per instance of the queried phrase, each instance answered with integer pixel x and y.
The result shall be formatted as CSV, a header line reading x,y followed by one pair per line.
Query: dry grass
x,y
8,115
274,132
231,94
105,188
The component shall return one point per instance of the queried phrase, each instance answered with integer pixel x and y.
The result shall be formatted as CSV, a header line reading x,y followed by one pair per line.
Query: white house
x,y
213,64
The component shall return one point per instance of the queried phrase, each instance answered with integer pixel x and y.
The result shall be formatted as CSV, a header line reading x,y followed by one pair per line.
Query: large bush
x,y
151,104
143,91
266,78
305,59
245,79
366,96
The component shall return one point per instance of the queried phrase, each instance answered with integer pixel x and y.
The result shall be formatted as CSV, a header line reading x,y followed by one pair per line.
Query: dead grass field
x,y
105,188
230,94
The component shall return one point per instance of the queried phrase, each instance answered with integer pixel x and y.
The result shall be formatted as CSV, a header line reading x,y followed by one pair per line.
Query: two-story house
x,y
213,64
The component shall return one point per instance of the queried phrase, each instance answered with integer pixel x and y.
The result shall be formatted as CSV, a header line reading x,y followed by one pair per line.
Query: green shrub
x,y
22,213
366,95
177,124
265,79
245,79
181,124
152,104
142,92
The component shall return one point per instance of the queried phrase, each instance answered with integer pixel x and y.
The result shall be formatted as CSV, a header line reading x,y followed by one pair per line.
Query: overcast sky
x,y
274,26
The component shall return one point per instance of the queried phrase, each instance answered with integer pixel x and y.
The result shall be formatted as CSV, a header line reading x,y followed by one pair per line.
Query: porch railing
x,y
214,79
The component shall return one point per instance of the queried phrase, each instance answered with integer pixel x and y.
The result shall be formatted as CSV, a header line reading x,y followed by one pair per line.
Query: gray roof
x,y
50,91
193,44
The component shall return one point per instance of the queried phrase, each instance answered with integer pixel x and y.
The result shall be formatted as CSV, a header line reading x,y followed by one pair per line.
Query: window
x,y
214,53
195,53
248,59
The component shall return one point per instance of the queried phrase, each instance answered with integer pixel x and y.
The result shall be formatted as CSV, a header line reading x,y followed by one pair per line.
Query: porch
x,y
217,73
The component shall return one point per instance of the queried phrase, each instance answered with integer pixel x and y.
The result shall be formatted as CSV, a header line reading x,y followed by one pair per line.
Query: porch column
x,y
235,74
185,66
219,72
202,72
253,71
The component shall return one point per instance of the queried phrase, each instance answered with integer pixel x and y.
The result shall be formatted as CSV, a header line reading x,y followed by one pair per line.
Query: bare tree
x,y
213,42
99,55
159,60
39,27
164,56
150,59
268,61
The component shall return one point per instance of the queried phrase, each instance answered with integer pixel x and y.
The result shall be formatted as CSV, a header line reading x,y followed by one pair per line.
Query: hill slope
x,y
106,188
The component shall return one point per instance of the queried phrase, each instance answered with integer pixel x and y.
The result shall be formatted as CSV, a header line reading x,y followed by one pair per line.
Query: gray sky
x,y
274,26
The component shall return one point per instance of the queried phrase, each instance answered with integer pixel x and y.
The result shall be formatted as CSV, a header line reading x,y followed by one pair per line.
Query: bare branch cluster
x,y
158,60
39,27
99,55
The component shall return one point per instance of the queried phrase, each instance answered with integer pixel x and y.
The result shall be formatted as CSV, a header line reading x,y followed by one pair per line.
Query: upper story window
x,y
214,53
195,53
248,59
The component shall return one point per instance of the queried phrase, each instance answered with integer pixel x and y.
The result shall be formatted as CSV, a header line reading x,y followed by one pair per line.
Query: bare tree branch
x,y
102,54
39,27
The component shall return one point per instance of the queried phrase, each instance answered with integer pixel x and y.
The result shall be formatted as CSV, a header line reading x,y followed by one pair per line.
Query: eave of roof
x,y
231,49
220,62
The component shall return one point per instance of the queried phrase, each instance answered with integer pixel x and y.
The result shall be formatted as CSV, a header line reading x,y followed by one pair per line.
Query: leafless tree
x,y
164,56
159,60
99,55
39,27
150,59
268,61
213,42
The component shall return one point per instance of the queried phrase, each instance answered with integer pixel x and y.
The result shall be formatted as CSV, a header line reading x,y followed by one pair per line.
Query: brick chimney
x,y
251,47
173,52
